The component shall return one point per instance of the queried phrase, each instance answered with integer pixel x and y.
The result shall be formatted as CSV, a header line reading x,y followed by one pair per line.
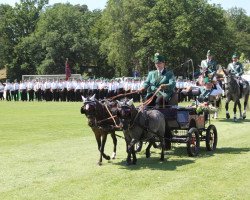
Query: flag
x,y
67,70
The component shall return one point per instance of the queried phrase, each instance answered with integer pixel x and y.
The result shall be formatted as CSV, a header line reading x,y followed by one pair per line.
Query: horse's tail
x,y
246,96
246,99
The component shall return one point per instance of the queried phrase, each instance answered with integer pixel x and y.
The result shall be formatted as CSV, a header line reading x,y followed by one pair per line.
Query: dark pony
x,y
101,123
139,125
232,91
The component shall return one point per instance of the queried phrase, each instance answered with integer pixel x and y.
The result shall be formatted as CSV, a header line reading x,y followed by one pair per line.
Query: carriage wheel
x,y
211,138
193,142
138,146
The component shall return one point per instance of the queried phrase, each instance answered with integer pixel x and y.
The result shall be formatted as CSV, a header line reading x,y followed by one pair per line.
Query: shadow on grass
x,y
231,120
154,162
231,150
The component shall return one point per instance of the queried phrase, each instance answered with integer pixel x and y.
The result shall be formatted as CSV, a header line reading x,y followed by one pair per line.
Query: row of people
x,y
72,90
162,78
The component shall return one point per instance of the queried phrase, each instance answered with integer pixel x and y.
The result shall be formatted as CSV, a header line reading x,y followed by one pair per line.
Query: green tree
x,y
180,29
239,23
19,22
63,31
6,43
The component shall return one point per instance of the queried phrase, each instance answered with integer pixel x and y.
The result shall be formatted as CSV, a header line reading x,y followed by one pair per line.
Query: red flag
x,y
67,69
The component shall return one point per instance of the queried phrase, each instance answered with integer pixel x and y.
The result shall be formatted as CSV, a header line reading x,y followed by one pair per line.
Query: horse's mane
x,y
101,111
233,86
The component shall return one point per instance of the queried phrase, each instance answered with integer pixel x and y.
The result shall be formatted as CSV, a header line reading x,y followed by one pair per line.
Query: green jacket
x,y
154,80
235,68
210,66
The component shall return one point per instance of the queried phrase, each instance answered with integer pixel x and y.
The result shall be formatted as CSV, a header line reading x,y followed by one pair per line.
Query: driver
x,y
162,78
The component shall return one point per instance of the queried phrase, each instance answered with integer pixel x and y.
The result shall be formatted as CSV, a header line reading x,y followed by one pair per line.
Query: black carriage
x,y
187,126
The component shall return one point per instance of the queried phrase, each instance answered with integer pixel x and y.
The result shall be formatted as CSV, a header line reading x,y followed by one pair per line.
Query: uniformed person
x,y
211,88
208,66
235,67
1,91
15,90
162,78
7,90
23,90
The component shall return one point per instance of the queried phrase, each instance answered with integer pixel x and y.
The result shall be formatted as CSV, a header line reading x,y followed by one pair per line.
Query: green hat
x,y
158,58
209,53
234,55
207,80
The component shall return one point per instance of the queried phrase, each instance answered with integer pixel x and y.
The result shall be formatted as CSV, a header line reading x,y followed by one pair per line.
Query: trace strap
x,y
111,116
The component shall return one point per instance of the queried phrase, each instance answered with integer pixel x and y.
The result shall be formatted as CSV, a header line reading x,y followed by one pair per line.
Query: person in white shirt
x,y
101,87
85,88
7,90
111,88
23,90
54,90
62,90
30,89
38,90
70,90
78,90
15,89
1,91
47,90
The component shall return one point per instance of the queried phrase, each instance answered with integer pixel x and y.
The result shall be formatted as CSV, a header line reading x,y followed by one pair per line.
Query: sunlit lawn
x,y
47,151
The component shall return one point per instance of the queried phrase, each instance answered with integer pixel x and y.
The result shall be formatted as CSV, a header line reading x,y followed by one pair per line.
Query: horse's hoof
x,y
99,163
235,119
128,163
227,116
134,161
113,155
148,154
244,116
215,115
106,157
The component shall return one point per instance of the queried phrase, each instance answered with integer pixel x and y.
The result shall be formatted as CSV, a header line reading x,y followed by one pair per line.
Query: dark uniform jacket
x,y
209,66
235,68
154,80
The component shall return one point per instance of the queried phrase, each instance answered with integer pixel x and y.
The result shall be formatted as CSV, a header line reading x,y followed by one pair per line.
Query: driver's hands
x,y
141,90
163,86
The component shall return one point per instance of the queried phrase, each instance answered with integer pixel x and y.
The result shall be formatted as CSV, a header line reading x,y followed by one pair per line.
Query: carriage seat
x,y
173,101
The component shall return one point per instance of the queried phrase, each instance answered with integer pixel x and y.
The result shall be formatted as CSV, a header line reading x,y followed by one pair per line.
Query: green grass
x,y
47,151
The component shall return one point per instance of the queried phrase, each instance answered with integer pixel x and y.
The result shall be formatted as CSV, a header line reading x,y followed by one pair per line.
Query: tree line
x,y
36,38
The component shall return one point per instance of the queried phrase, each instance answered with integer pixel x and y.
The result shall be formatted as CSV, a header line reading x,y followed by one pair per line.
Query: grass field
x,y
47,151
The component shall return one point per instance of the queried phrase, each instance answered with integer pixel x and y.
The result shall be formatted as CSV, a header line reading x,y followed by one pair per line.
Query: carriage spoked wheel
x,y
211,138
193,142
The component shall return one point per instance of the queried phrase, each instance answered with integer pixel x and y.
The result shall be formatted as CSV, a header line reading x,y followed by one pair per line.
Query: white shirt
x,y
217,91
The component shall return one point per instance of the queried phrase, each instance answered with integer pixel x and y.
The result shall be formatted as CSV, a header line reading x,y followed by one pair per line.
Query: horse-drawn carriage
x,y
187,126
171,124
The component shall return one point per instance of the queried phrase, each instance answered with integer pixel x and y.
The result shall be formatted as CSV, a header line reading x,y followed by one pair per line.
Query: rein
x,y
106,119
121,95
111,116
149,100
141,107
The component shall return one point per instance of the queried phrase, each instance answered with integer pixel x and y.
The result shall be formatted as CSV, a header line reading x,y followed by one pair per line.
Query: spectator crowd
x,y
71,90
